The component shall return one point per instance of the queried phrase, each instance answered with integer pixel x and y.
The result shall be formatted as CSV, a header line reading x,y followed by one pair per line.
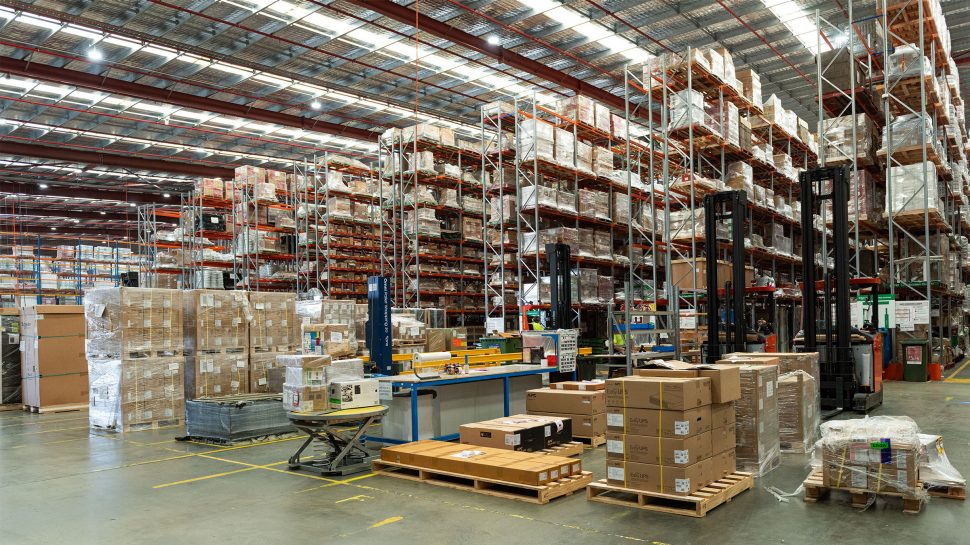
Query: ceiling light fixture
x,y
104,213
493,40
166,195
95,54
42,186
315,105
53,228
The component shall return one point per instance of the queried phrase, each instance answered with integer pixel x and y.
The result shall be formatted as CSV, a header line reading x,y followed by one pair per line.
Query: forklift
x,y
850,359
732,207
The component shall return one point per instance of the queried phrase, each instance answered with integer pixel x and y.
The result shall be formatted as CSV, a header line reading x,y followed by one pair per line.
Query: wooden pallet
x,y
593,442
50,409
815,491
566,450
697,504
913,220
950,492
489,487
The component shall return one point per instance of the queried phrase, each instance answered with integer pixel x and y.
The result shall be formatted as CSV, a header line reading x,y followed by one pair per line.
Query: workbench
x,y
465,398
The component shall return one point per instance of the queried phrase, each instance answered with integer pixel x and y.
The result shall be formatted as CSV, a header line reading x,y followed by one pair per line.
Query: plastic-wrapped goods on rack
x,y
471,229
577,108
421,162
471,204
447,169
909,131
536,141
602,244
533,195
344,312
784,165
881,454
603,161
594,204
688,107
905,61
751,85
565,147
740,176
840,148
869,202
210,187
908,188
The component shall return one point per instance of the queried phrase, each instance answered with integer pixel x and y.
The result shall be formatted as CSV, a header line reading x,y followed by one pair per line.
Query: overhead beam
x,y
408,16
68,192
176,98
109,159
79,215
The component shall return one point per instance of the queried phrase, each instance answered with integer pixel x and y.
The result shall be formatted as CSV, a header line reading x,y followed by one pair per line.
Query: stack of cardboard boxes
x,y
796,395
758,449
54,370
216,326
134,356
518,432
584,403
671,430
273,331
316,382
526,468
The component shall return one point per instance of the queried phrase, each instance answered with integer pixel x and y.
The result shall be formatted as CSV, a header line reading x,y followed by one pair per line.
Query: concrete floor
x,y
61,483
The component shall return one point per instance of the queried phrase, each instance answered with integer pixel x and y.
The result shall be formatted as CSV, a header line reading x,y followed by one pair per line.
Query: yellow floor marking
x,y
205,477
958,380
948,398
385,522
957,372
358,497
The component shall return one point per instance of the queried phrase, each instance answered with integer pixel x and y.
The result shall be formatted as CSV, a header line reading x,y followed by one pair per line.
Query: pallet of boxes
x,y
52,366
671,440
274,330
135,358
533,477
868,458
216,333
583,402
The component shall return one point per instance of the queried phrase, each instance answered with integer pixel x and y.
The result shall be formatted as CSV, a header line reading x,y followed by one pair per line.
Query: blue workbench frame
x,y
414,385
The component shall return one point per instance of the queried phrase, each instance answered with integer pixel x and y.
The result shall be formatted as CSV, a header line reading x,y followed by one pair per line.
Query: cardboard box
x,y
583,425
658,392
215,320
681,481
216,375
53,370
274,326
350,394
583,385
545,400
724,438
135,393
133,322
669,451
787,362
722,414
725,381
518,432
724,464
757,418
662,423
306,399
798,411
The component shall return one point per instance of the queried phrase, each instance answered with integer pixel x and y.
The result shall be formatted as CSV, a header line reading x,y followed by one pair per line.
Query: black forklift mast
x,y
838,383
725,206
560,287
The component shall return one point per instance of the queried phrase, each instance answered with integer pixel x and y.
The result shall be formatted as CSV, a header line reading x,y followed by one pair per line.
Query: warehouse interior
x,y
627,271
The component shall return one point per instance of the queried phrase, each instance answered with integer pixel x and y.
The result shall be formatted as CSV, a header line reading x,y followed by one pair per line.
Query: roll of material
x,y
432,356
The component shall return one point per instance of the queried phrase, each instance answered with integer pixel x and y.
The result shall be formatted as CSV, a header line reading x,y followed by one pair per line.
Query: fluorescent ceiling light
x,y
95,54
315,105
493,40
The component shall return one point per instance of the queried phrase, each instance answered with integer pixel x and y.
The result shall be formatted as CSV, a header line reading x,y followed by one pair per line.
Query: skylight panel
x,y
798,23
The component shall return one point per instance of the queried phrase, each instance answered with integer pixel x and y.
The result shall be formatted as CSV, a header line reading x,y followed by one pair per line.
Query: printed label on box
x,y
385,391
554,474
770,386
681,427
173,367
614,473
682,485
262,382
513,439
467,454
614,446
543,476
614,419
859,479
681,456
336,336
